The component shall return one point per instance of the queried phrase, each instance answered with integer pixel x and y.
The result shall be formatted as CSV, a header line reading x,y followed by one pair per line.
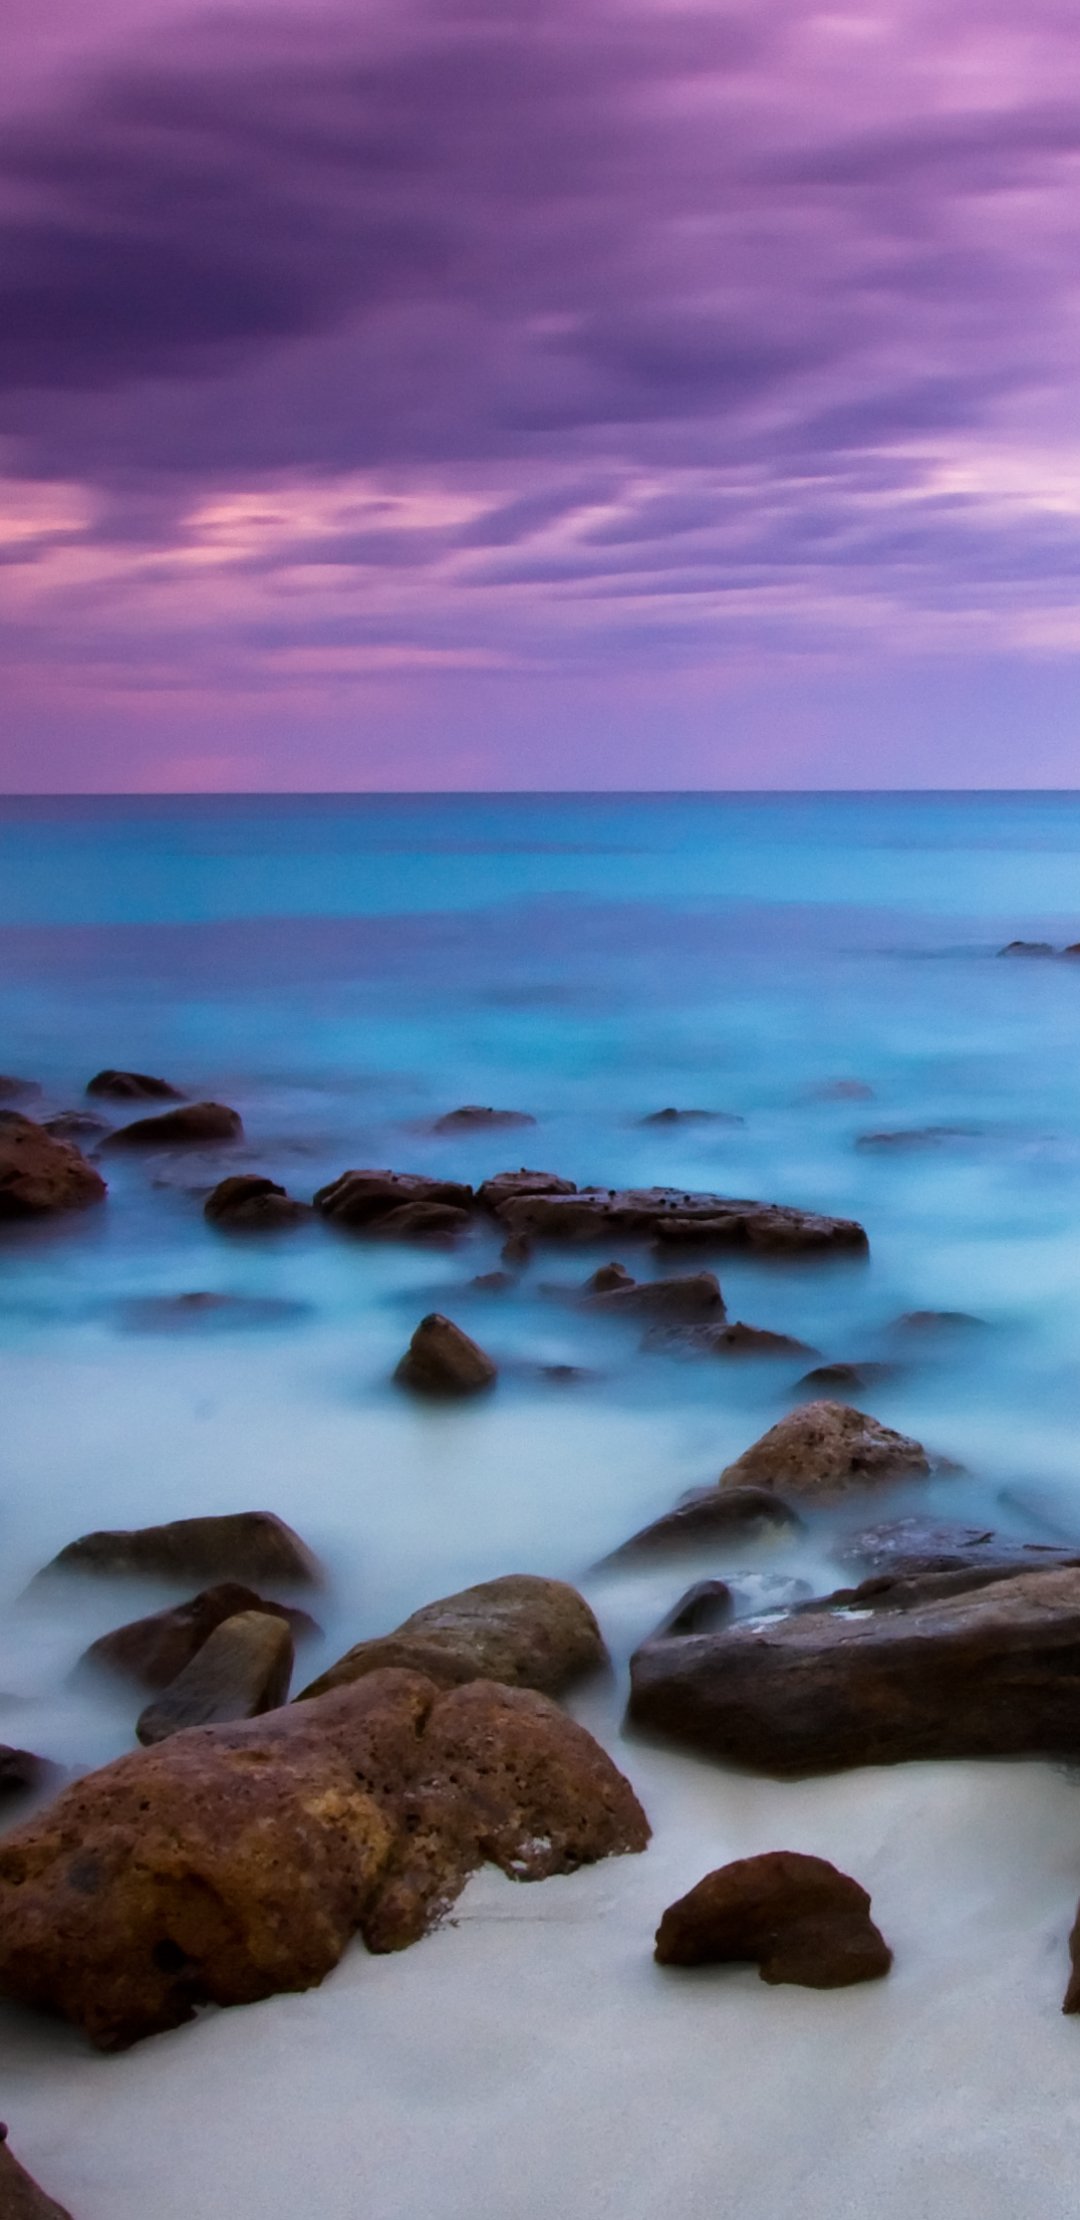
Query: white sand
x,y
531,2062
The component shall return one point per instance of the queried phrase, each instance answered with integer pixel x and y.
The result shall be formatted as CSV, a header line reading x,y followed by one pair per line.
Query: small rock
x,y
507,1187
18,1090
472,1117
917,1137
21,2198
443,1360
734,1340
493,1283
356,1200
153,1651
850,1376
21,1774
75,1125
609,1279
705,1606
194,1122
40,1175
1028,948
840,1090
248,1203
691,1295
204,1309
132,1086
240,1545
824,1449
710,1516
692,1117
243,1669
521,1630
796,1918
928,1322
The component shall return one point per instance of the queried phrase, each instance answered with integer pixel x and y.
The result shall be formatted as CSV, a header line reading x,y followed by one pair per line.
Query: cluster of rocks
x,y
1038,948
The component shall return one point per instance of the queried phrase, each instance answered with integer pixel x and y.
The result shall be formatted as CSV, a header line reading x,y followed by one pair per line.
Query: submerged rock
x,y
917,1137
442,1359
356,1200
1028,948
691,1295
923,1324
21,1774
41,1175
233,1862
700,1610
734,1340
796,1918
152,1651
991,1672
668,1214
194,1123
839,1090
913,1549
21,2198
710,1515
18,1090
851,1376
132,1086
521,1630
75,1125
692,1117
474,1118
238,1545
824,1449
205,1309
249,1203
419,1221
242,1669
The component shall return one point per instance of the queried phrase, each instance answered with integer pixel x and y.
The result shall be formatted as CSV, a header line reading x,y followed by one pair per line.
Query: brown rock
x,y
824,1449
508,1186
735,1340
847,1375
20,2196
132,1086
796,1918
667,1214
420,1221
233,1862
917,1137
356,1199
710,1516
700,1610
990,1672
472,1118
522,1631
192,1123
248,1203
692,1117
926,1323
692,1295
910,1549
18,1090
443,1360
240,1545
75,1125
243,1669
152,1651
40,1174
22,1774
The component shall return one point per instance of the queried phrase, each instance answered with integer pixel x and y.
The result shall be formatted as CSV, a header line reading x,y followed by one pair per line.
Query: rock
x,y
356,1199
758,1593
847,1375
420,1221
912,1549
796,1918
203,1309
40,1174
153,1651
991,1672
507,1187
608,1279
840,1090
493,1283
824,1449
1072,1993
709,1516
132,1086
234,1862
20,2196
240,1545
705,1606
243,1669
734,1340
18,1090
917,1137
692,1295
1073,949
248,1203
75,1125
194,1123
669,1215
1028,948
472,1118
692,1117
928,1322
21,1774
522,1631
443,1360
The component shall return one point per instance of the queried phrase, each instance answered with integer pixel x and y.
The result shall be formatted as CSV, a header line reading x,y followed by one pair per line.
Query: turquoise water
x,y
343,970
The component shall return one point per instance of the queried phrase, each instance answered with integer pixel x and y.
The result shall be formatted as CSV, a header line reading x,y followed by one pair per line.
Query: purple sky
x,y
535,393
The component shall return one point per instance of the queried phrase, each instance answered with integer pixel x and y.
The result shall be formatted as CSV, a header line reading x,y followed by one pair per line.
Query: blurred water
x,y
343,970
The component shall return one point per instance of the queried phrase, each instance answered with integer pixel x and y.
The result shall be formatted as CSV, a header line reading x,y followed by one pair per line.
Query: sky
x,y
539,394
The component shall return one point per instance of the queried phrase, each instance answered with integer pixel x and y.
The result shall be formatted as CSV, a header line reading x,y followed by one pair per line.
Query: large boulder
x,y
670,1216
21,2198
990,1672
238,1545
132,1086
152,1651
40,1174
250,1203
795,1917
356,1200
243,1669
825,1449
710,1517
442,1359
521,1630
193,1124
233,1862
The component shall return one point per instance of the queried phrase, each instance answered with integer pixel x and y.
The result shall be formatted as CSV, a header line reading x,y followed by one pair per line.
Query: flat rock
x,y
688,1295
925,1324
734,1339
672,1215
420,1221
250,1203
911,1549
710,1515
192,1123
442,1359
521,1630
473,1117
230,1863
242,1669
824,1449
795,1917
18,1090
505,1187
21,2198
75,1125
917,1137
132,1086
993,1671
238,1545
152,1651
21,1774
691,1117
357,1199
1027,948
41,1175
